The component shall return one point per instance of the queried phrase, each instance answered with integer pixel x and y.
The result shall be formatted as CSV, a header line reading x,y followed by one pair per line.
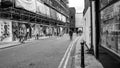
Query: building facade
x,y
45,17
109,19
72,18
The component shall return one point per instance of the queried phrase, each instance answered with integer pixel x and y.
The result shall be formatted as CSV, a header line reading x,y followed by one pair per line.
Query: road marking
x,y
66,54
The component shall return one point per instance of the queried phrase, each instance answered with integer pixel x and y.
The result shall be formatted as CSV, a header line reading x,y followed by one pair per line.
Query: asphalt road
x,y
45,53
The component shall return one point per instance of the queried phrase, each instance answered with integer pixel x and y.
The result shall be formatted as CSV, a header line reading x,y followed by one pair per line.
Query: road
x,y
45,53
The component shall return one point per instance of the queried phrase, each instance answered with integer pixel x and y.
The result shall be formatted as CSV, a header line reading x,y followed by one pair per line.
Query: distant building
x,y
79,20
72,17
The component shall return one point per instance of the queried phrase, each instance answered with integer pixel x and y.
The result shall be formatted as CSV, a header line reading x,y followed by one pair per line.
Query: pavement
x,y
15,43
90,60
107,60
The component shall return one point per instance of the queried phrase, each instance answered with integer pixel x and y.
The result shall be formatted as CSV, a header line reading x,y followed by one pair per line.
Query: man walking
x,y
21,36
22,33
71,34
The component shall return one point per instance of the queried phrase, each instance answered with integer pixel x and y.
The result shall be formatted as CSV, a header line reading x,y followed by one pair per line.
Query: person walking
x,y
71,34
36,33
21,36
27,34
22,33
77,33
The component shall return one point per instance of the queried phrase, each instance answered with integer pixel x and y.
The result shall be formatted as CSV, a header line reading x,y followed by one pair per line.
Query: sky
x,y
78,4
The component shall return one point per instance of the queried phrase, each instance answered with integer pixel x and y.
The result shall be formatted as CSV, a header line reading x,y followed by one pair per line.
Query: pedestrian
x,y
27,34
21,36
36,34
71,34
22,33
77,32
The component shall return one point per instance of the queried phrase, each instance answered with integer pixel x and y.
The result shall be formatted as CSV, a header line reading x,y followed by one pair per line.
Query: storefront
x,y
110,27
16,29
10,30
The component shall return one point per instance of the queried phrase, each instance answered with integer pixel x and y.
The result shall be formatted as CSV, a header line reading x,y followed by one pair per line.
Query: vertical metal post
x,y
91,48
82,55
97,21
0,9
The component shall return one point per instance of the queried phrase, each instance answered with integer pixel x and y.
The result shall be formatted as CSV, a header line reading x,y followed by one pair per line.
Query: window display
x,y
110,27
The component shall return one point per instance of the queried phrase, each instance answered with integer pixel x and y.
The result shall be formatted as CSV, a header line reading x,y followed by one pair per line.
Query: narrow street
x,y
46,53
38,33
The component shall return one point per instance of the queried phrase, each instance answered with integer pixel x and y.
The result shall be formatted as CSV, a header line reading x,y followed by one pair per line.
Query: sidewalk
x,y
90,60
15,43
107,60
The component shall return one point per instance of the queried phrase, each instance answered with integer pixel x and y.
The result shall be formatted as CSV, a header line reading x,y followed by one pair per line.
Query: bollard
x,y
82,55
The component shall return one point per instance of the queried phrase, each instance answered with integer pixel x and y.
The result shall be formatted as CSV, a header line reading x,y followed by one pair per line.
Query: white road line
x,y
68,56
65,55
64,66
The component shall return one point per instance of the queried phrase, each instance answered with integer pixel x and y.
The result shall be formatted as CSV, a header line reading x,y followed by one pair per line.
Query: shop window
x,y
110,27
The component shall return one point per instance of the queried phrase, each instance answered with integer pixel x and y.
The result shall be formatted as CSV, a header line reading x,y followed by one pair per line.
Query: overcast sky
x,y
78,4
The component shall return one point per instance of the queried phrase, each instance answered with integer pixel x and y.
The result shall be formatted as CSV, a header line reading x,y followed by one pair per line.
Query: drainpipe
x,y
91,48
97,24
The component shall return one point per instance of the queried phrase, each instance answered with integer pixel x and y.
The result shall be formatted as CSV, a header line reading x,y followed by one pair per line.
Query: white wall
x,y
87,29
